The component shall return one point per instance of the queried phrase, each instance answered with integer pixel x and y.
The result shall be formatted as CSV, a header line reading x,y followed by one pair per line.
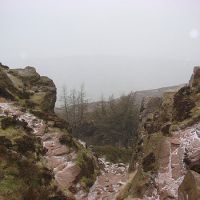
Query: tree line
x,y
105,122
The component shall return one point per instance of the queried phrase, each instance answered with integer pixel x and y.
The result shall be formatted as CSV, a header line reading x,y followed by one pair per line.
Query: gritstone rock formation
x,y
28,87
168,150
39,157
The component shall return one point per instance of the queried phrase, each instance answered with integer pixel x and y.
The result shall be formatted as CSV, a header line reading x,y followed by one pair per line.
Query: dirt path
x,y
62,161
59,157
112,178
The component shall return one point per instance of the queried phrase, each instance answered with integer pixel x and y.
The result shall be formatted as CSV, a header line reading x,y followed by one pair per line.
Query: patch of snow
x,y
189,143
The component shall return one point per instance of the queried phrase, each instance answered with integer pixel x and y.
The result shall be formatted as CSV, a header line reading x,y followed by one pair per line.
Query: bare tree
x,y
103,105
75,105
112,101
82,103
73,108
65,102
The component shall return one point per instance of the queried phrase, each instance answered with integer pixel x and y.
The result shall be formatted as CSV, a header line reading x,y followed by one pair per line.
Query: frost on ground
x,y
112,177
58,156
62,161
183,144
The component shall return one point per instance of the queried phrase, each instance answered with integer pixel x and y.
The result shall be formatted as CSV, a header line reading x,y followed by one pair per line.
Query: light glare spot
x,y
23,55
194,34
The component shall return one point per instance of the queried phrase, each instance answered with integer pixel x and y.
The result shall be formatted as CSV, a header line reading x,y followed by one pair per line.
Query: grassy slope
x,y
22,171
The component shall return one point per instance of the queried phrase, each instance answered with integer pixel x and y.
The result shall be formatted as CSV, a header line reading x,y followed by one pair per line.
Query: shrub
x,y
6,122
86,182
148,162
113,154
25,144
65,139
5,142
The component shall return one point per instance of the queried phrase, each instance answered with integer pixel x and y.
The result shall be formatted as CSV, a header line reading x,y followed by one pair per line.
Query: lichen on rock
x,y
28,88
29,101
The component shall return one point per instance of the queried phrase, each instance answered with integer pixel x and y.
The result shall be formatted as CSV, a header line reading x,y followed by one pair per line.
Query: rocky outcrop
x,y
149,112
23,172
65,156
168,146
112,178
183,103
7,88
28,88
195,79
190,187
140,95
27,99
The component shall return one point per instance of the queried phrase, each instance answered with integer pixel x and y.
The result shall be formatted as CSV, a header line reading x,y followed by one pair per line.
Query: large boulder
x,y
27,75
195,79
190,187
183,104
150,104
28,87
149,112
6,86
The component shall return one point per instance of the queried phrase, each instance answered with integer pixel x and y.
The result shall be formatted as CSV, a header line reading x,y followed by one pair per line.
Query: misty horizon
x,y
113,47
112,80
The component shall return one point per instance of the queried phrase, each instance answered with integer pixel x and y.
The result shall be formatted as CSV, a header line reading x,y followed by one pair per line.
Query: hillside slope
x,y
167,157
140,95
39,157
112,122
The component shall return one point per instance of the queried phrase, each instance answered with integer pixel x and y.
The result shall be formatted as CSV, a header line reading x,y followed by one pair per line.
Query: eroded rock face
x,y
195,79
149,112
112,178
150,105
37,92
173,123
190,187
183,103
62,159
171,175
28,75
6,87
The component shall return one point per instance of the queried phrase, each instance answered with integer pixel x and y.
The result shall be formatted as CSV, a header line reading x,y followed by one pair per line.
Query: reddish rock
x,y
195,79
190,187
194,157
61,151
165,128
175,141
164,156
176,172
68,176
41,131
110,189
166,195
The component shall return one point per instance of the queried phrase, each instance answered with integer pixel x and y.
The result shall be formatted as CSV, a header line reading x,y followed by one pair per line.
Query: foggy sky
x,y
112,46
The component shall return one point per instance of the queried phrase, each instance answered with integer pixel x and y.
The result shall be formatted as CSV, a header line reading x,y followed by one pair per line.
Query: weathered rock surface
x,y
195,79
183,104
6,87
61,158
169,146
28,87
112,178
171,176
190,187
74,167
